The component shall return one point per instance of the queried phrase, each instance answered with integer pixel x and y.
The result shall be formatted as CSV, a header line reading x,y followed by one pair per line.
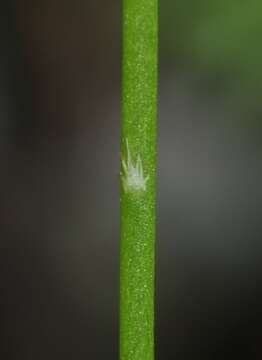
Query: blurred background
x,y
60,91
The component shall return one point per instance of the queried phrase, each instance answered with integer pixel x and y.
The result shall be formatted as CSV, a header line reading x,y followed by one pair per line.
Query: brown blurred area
x,y
60,123
59,252
71,54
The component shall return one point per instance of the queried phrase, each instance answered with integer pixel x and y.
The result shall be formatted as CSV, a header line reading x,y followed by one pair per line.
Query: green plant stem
x,y
138,179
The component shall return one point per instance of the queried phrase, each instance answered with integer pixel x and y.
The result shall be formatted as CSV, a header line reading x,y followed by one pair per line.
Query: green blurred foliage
x,y
221,40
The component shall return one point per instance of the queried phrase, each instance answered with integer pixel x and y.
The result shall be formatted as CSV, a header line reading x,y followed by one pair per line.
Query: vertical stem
x,y
138,151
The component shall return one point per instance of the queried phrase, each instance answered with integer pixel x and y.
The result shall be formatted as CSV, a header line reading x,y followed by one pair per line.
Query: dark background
x,y
59,156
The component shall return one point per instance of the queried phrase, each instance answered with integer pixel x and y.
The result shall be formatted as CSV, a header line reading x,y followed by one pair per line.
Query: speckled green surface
x,y
138,142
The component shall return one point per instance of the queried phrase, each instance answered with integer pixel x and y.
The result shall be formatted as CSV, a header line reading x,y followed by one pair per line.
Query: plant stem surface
x,y
138,179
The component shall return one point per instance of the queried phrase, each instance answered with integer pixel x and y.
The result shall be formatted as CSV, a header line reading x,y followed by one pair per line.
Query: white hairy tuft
x,y
133,175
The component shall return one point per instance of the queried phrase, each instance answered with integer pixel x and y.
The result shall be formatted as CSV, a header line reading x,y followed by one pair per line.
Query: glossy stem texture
x,y
138,179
